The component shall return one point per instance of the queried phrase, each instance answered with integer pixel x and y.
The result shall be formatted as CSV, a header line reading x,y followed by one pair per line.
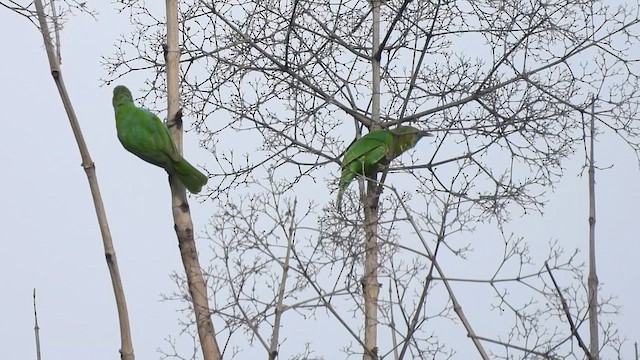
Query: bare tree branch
x,y
126,346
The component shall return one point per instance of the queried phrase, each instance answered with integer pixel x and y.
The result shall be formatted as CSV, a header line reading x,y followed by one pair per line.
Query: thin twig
x,y
427,282
322,297
289,30
273,350
36,328
544,355
246,319
377,53
282,67
567,313
392,324
457,308
418,67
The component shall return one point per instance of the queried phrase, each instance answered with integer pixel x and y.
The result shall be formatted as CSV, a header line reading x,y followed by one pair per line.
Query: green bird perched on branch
x,y
372,152
145,135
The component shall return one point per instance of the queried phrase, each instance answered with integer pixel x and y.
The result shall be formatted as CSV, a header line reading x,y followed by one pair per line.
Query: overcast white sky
x,y
48,229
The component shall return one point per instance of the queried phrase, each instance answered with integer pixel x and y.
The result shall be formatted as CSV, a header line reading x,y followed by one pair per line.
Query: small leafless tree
x,y
278,90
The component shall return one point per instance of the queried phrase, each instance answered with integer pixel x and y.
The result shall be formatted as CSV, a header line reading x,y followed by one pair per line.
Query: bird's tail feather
x,y
190,177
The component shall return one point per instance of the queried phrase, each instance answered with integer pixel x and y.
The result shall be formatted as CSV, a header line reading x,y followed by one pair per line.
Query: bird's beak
x,y
423,133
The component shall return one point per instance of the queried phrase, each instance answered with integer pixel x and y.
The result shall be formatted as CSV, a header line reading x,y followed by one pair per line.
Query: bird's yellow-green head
x,y
407,137
121,95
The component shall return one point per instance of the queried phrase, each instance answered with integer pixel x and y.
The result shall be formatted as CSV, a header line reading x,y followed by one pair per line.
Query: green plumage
x,y
372,152
143,134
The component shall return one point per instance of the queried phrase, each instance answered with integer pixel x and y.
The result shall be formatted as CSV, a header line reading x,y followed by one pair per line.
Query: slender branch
x,y
593,275
567,313
273,350
282,67
544,355
579,48
289,30
377,53
457,308
36,328
427,282
56,30
126,345
246,319
21,10
418,67
322,297
392,324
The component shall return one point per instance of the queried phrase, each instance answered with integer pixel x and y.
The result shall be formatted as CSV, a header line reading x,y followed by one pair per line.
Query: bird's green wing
x,y
367,151
374,150
364,155
143,134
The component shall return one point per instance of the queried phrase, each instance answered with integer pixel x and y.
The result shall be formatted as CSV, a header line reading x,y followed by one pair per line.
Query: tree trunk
x,y
181,215
370,285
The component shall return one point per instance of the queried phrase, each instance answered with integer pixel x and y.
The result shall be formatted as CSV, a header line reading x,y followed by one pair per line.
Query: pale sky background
x,y
49,231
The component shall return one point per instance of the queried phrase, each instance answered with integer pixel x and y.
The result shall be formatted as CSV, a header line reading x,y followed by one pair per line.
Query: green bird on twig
x,y
143,134
372,152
